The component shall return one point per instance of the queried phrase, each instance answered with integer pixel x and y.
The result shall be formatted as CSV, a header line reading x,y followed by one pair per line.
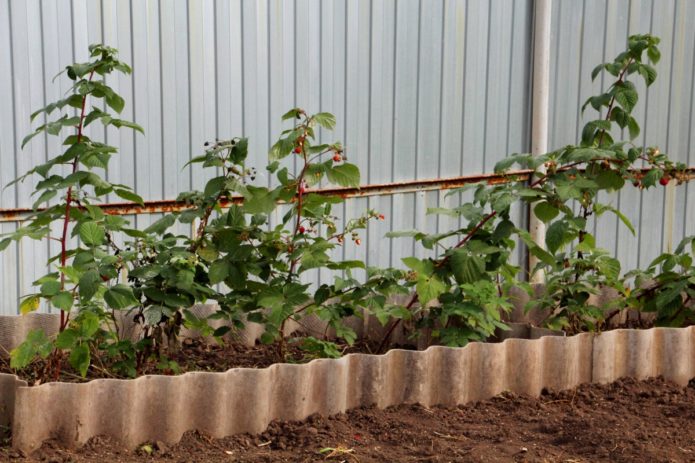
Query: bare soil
x,y
193,355
627,421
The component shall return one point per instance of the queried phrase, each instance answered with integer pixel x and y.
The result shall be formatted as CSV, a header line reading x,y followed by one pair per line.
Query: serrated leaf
x,y
556,235
627,98
50,288
596,71
92,233
648,73
347,175
129,196
63,300
26,139
120,297
326,120
259,200
45,196
423,267
29,304
123,123
545,211
80,358
36,343
633,127
293,113
4,243
609,180
88,285
429,288
219,270
161,225
67,339
467,268
651,177
654,54
115,102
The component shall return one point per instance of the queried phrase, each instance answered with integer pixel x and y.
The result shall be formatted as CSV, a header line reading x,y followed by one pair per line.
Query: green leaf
x,y
423,267
622,218
239,151
45,196
429,288
633,127
347,175
648,73
596,71
545,211
161,225
36,343
4,243
654,54
63,300
119,297
219,270
259,200
326,120
214,186
627,98
293,113
80,358
29,304
609,180
129,196
467,268
92,233
651,177
556,235
67,339
115,102
122,123
88,285
50,288
29,137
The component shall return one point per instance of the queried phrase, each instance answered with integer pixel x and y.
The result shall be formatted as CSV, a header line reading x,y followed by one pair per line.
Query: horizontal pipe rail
x,y
377,189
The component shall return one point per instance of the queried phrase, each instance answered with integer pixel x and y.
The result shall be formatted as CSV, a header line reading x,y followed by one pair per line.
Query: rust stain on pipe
x,y
376,189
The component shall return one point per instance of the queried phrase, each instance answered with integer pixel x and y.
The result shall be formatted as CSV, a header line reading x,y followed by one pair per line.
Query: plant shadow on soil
x,y
625,421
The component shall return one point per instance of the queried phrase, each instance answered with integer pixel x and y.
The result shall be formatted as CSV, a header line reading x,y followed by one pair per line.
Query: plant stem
x,y
612,102
414,299
297,224
64,318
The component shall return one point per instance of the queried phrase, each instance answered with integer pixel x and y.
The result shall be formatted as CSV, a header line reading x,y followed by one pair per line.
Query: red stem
x,y
64,318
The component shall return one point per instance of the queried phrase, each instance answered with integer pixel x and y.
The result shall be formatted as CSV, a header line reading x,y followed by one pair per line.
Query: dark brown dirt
x,y
627,421
194,355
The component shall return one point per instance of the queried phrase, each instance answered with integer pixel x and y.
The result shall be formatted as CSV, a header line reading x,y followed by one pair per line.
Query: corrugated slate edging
x,y
245,400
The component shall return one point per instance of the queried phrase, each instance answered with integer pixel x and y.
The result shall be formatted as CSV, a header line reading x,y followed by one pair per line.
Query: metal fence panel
x,y
421,89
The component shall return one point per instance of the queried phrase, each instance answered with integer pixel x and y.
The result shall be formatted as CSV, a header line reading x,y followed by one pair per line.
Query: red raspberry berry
x,y
302,230
298,149
337,157
358,241
664,180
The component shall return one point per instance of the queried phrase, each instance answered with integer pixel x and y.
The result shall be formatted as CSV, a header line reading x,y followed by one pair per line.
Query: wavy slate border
x,y
246,400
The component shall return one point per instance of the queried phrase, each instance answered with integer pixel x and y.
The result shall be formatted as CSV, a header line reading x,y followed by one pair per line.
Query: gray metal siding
x,y
591,31
421,89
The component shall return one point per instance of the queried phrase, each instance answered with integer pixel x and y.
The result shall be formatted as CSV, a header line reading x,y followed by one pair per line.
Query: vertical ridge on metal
x,y
540,111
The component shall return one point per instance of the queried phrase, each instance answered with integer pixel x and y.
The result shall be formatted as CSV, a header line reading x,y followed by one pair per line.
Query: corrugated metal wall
x,y
591,31
421,89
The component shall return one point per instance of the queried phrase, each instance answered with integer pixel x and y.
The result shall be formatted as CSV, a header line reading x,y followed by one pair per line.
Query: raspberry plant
x,y
466,285
261,265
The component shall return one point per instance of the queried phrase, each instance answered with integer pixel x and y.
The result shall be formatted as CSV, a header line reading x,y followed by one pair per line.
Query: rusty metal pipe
x,y
409,186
